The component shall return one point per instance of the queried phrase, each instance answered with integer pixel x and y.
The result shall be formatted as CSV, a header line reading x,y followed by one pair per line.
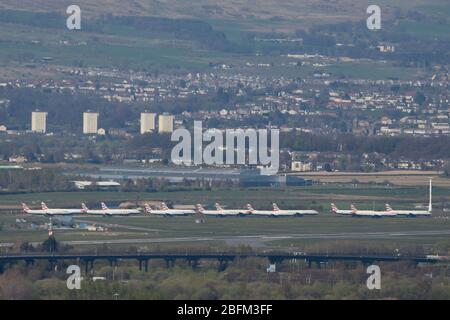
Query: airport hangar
x,y
247,178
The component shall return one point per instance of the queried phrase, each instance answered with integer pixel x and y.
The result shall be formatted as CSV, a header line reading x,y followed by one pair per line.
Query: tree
x,y
420,98
26,246
50,245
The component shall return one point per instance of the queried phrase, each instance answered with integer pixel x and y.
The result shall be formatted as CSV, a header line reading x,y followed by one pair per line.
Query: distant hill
x,y
260,14
203,34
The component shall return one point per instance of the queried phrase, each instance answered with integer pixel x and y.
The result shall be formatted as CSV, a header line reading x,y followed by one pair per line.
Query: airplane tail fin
x,y
104,207
44,206
84,208
218,206
25,208
334,209
275,207
164,206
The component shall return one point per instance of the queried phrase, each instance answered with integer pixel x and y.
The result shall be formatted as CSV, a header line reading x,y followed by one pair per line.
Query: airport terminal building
x,y
247,178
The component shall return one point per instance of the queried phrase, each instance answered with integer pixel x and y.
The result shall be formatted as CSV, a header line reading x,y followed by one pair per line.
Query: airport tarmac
x,y
261,240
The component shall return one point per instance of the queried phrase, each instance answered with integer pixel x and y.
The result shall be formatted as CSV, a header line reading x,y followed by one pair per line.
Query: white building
x,y
165,123
148,122
39,121
300,166
90,122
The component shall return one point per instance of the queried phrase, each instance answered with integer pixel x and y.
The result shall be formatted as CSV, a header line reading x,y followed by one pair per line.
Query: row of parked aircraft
x,y
45,211
388,212
219,211
249,210
165,211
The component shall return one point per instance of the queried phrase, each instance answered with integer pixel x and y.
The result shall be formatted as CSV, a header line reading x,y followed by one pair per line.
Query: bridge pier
x,y
51,264
193,263
170,262
143,263
89,266
223,264
112,262
29,262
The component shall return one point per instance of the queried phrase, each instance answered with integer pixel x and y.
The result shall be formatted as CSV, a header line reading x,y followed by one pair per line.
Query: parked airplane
x,y
287,213
105,211
60,211
370,213
165,211
335,209
227,211
354,212
251,211
415,213
219,212
293,212
45,211
27,210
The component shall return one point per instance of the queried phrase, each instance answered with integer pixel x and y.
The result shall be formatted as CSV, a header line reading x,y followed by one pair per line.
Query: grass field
x,y
256,231
126,47
398,178
304,197
253,231
121,50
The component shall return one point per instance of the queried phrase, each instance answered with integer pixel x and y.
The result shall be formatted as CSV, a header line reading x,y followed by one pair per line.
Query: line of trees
x,y
414,148
246,279
34,181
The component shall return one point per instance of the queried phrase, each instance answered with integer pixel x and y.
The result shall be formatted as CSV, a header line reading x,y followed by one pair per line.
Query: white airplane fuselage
x,y
63,211
266,213
221,213
171,212
113,212
54,212
411,213
284,213
373,213
37,212
344,212
307,212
